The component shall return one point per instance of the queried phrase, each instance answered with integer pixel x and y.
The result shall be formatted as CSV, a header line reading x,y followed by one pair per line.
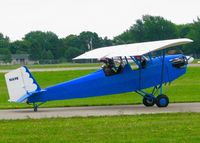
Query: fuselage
x,y
98,84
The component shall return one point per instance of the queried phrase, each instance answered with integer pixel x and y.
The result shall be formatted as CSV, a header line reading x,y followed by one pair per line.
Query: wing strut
x,y
162,70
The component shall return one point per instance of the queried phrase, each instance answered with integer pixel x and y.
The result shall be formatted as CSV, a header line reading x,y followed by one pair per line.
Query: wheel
x,y
35,108
162,100
148,100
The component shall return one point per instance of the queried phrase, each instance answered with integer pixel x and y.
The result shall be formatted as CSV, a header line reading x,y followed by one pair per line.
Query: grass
x,y
63,65
159,128
184,89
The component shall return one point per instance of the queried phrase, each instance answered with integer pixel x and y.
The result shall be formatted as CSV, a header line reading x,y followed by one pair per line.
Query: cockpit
x,y
112,66
116,65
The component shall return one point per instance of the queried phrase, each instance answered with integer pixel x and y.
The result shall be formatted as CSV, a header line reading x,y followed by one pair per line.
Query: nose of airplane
x,y
181,61
190,59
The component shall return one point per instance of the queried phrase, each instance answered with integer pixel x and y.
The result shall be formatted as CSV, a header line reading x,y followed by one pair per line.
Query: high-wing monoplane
x,y
116,75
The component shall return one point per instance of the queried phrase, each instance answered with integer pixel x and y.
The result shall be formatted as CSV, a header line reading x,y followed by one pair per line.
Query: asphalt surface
x,y
194,65
97,111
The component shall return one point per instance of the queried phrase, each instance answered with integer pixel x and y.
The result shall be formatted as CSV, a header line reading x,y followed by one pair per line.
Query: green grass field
x,y
158,128
162,128
184,89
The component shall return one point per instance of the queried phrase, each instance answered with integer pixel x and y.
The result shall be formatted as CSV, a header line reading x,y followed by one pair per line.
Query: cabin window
x,y
138,62
133,65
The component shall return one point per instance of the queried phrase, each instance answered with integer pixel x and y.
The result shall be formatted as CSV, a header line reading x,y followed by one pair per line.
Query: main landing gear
x,y
150,99
161,100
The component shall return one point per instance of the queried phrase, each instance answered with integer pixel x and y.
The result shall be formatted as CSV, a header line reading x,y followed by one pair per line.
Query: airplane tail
x,y
21,84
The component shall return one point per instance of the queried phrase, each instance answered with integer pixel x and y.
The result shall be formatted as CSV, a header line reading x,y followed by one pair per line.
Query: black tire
x,y
35,109
148,100
162,100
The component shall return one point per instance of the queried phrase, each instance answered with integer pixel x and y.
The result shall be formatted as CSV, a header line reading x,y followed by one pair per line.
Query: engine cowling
x,y
181,61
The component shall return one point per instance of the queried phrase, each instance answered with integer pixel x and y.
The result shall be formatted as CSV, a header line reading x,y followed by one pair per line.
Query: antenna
x,y
90,46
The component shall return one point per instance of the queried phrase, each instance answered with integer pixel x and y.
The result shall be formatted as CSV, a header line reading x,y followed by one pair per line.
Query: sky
x,y
105,17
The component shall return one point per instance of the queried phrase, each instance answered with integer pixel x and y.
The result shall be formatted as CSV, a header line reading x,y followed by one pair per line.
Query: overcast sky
x,y
106,17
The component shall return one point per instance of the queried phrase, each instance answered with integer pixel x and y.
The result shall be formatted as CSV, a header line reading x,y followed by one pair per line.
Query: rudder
x,y
20,84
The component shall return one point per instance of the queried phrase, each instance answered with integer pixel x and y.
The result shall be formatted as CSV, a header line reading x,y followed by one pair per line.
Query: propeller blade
x,y
190,59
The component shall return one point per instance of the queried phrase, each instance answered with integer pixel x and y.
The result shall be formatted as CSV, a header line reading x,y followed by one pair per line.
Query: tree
x,y
4,48
20,47
194,34
124,38
107,42
149,28
72,52
184,30
4,41
71,41
75,45
43,41
90,40
152,28
47,55
6,55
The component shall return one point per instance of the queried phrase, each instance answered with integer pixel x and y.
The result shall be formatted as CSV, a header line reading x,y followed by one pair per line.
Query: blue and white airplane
x,y
110,79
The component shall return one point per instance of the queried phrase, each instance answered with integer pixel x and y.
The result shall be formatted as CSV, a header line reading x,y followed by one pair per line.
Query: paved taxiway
x,y
97,111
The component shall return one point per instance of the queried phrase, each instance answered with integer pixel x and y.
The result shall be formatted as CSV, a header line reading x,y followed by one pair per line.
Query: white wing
x,y
135,49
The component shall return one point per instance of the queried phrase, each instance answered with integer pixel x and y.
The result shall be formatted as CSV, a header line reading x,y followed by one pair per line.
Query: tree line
x,y
46,46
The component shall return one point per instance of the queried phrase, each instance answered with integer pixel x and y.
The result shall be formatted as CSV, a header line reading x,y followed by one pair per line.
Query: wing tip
x,y
187,40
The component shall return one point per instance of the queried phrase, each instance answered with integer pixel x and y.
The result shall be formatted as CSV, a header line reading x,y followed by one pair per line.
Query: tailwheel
x,y
36,105
35,108
148,100
162,100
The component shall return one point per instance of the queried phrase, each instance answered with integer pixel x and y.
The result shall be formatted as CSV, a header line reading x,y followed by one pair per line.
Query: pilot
x,y
119,64
109,66
142,60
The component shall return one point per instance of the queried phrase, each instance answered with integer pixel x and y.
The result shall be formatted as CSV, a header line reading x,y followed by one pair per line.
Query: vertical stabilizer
x,y
20,83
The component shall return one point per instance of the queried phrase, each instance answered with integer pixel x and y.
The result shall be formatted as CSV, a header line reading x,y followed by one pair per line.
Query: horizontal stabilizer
x,y
23,98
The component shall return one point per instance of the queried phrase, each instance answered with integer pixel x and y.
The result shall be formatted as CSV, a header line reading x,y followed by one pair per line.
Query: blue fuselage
x,y
97,84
